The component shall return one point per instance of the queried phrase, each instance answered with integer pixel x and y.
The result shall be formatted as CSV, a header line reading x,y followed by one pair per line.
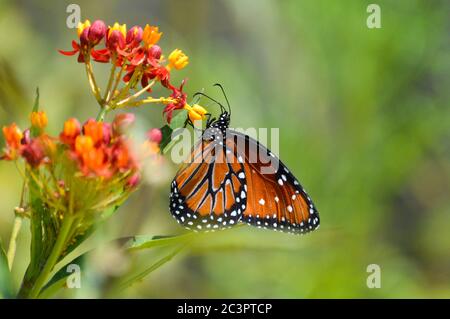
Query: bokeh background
x,y
364,123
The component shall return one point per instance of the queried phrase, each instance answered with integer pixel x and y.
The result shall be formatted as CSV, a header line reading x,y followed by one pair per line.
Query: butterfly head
x,y
217,128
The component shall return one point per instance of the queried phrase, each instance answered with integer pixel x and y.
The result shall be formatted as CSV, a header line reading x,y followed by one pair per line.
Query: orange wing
x,y
275,199
208,191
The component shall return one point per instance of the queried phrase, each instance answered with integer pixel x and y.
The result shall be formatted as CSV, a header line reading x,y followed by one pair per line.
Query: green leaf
x,y
58,280
36,101
166,137
179,120
139,277
147,242
35,131
6,285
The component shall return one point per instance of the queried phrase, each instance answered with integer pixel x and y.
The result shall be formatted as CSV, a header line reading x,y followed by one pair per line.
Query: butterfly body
x,y
231,178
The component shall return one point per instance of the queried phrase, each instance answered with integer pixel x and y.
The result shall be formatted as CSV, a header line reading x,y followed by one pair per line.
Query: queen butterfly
x,y
231,178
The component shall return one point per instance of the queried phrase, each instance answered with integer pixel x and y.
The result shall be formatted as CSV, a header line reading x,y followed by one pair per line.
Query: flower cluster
x,y
97,149
139,59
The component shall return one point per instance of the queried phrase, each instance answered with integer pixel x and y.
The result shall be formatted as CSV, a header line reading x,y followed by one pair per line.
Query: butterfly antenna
x,y
226,98
208,97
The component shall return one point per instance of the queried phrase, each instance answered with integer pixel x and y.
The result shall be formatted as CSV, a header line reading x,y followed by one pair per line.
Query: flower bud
x,y
97,31
82,26
122,122
155,135
155,51
116,36
33,152
134,35
39,120
72,129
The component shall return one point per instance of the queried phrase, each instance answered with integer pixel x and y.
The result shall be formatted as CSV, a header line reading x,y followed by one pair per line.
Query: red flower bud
x,y
115,40
155,135
134,35
33,152
155,51
84,37
97,31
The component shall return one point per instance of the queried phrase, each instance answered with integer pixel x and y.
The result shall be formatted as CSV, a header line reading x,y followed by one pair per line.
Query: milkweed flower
x,y
38,120
178,60
151,35
139,59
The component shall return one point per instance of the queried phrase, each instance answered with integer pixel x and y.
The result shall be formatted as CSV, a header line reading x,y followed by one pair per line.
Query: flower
x,y
13,135
72,129
151,35
178,60
180,101
89,36
116,37
195,112
34,152
39,120
134,36
155,135
97,32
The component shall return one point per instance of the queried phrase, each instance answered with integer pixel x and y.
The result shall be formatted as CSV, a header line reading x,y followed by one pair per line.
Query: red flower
x,y
180,98
89,36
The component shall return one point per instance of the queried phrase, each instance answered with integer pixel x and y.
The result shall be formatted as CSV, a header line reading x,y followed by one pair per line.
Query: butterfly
x,y
231,178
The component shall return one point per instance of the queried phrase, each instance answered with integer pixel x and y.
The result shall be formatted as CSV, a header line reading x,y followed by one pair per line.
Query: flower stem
x,y
108,92
101,115
54,256
92,82
137,94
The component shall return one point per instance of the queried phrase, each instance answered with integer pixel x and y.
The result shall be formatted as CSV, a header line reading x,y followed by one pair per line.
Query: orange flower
x,y
94,159
151,35
94,129
13,136
39,119
72,129
83,144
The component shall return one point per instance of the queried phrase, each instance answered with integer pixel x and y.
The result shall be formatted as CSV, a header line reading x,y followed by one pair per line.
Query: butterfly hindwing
x,y
275,198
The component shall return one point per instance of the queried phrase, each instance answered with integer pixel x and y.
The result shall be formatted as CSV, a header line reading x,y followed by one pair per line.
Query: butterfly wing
x,y
209,190
275,198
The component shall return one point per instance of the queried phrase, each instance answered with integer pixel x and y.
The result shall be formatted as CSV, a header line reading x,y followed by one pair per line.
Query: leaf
x,y
179,120
166,137
58,281
6,285
147,242
125,284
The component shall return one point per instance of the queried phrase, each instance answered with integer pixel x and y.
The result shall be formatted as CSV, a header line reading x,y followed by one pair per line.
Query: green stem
x,y
101,115
53,258
12,242
107,95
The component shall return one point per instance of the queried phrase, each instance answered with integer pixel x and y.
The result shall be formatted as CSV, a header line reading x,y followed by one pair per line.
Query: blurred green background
x,y
364,123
